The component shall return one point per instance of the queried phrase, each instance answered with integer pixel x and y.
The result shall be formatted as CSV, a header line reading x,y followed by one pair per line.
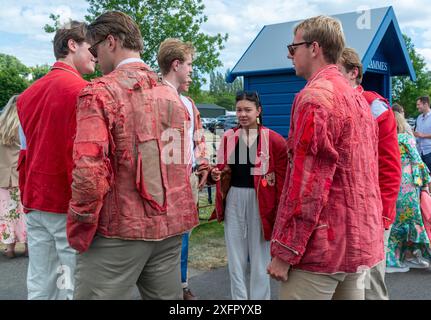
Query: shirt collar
x,y
324,69
64,66
129,60
426,115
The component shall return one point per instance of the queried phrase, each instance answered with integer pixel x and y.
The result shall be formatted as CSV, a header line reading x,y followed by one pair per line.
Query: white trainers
x,y
397,269
418,261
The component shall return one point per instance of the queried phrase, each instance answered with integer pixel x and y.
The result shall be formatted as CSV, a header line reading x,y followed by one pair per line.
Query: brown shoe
x,y
9,253
188,295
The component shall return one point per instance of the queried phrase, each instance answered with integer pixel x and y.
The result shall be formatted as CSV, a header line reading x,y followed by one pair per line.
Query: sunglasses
x,y
248,95
292,47
93,48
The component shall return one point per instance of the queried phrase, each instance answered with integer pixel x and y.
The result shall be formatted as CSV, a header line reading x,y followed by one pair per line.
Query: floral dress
x,y
12,217
408,231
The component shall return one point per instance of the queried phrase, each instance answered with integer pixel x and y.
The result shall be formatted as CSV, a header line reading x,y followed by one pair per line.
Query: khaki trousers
x,y
112,267
304,285
375,286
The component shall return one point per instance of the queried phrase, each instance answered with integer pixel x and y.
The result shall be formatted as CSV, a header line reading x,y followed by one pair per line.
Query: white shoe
x,y
397,269
418,263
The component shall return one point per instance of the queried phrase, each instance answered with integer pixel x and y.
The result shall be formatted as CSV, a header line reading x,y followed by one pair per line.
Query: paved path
x,y
214,284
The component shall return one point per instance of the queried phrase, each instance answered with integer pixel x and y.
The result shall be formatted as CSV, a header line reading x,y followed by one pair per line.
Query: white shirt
x,y
22,139
129,60
189,107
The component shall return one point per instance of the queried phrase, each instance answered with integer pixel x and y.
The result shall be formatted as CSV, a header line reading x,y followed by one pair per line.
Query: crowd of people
x,y
100,179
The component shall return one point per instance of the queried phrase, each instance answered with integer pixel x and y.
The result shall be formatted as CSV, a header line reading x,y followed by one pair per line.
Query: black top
x,y
242,164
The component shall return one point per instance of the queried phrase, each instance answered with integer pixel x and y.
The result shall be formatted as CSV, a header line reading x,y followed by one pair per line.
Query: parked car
x,y
206,122
411,122
219,123
230,122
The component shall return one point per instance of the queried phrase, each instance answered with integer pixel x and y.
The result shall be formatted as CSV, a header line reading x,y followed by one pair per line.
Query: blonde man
x,y
175,60
328,227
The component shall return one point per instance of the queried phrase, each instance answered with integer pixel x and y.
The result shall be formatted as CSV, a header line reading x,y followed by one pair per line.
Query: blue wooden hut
x,y
374,34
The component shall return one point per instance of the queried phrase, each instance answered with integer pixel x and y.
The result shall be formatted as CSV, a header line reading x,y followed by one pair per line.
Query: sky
x,y
22,34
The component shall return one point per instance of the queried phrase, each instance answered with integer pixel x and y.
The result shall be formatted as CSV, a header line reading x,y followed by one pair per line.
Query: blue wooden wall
x,y
276,93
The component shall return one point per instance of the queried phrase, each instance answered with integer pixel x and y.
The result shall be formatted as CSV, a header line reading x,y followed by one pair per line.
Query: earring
x,y
257,120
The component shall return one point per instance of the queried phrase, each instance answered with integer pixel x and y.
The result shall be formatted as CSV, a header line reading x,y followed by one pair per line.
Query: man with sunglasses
x,y
131,200
389,161
328,227
47,112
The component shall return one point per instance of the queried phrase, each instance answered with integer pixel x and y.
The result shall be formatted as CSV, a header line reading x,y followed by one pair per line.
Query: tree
x,y
219,85
13,78
159,20
38,72
223,92
405,92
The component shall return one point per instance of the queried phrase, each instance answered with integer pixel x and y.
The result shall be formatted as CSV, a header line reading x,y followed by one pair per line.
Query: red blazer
x,y
47,112
329,218
268,184
389,158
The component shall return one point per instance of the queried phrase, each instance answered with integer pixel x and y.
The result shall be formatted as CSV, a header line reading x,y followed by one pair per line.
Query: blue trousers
x,y
427,160
184,258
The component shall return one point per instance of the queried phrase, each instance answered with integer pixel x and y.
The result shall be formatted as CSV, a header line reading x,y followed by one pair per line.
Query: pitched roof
x,y
268,51
208,106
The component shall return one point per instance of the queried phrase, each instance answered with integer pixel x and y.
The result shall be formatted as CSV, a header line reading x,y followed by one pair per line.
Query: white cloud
x,y
25,20
426,53
241,19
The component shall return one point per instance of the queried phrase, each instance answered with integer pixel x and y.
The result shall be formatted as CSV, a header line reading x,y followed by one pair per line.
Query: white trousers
x,y
245,241
52,261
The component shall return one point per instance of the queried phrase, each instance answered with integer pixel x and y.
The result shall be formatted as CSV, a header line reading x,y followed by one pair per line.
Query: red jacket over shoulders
x,y
389,157
47,113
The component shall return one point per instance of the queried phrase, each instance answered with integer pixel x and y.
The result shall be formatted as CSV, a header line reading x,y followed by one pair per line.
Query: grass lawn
x,y
207,249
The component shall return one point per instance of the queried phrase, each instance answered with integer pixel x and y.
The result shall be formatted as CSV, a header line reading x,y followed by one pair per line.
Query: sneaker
x,y
397,269
188,294
418,263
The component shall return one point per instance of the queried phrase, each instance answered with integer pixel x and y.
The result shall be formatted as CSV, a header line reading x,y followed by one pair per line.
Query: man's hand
x,y
278,269
215,174
418,134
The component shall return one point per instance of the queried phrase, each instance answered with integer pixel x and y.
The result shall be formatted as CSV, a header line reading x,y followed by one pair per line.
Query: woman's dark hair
x,y
252,96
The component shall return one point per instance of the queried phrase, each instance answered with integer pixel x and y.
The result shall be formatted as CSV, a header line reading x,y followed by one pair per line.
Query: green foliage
x,y
50,29
225,100
219,85
405,92
38,72
223,92
202,97
10,62
13,77
159,20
